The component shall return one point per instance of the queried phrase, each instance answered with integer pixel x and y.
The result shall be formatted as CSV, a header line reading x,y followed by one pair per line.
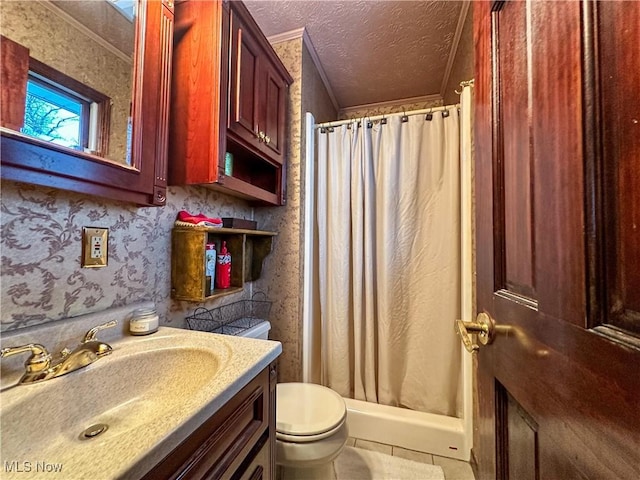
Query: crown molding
x,y
286,36
306,40
89,33
392,103
454,47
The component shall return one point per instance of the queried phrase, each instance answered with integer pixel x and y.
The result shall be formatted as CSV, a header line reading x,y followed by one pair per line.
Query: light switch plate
x,y
94,247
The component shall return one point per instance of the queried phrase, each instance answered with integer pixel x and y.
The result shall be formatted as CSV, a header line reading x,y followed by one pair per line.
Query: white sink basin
x,y
123,392
151,392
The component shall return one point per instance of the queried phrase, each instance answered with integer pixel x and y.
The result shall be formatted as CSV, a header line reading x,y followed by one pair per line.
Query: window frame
x,y
68,85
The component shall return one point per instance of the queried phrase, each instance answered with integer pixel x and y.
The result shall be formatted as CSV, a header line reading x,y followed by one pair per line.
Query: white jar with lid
x,y
143,321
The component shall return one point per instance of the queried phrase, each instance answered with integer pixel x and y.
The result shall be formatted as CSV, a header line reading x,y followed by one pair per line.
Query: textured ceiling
x,y
371,51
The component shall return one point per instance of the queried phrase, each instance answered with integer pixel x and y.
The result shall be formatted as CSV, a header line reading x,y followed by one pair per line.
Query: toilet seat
x,y
307,412
313,454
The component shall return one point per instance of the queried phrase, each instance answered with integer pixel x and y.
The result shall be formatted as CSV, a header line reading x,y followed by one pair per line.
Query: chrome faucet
x,y
42,366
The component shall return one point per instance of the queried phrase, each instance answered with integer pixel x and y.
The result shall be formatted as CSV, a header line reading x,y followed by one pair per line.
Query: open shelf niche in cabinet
x,y
248,249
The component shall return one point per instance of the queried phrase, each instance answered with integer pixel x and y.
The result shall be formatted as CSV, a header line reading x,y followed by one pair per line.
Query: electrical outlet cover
x,y
94,247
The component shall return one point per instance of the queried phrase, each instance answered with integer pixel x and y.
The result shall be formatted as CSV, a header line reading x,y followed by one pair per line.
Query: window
x,y
55,115
64,111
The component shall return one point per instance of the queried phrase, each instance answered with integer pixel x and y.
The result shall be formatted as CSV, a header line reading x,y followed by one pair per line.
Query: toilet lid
x,y
307,409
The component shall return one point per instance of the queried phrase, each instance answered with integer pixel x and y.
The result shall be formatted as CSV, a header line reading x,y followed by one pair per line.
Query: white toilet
x,y
311,420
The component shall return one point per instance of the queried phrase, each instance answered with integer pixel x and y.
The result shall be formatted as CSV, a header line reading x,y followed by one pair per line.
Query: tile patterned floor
x,y
453,469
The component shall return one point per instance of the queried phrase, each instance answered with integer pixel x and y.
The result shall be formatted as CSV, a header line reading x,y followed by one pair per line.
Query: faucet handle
x,y
91,334
39,360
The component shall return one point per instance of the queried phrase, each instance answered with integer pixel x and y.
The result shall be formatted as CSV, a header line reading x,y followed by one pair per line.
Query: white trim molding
x,y
464,11
286,36
306,41
436,97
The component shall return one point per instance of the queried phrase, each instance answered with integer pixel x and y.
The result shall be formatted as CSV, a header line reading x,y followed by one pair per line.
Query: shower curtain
x,y
388,246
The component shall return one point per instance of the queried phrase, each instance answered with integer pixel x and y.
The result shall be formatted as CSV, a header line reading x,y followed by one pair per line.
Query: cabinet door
x,y
259,467
199,94
244,79
272,112
235,440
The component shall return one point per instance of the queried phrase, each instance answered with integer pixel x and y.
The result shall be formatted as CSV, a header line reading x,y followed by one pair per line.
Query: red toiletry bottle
x,y
223,268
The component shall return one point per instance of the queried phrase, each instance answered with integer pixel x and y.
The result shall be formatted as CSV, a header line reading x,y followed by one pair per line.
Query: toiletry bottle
x,y
228,164
223,268
209,268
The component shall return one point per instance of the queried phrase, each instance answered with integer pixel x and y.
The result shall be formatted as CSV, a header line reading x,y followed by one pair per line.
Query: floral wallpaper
x,y
370,111
40,241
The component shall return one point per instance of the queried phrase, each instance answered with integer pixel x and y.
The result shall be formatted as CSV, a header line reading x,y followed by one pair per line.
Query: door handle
x,y
484,327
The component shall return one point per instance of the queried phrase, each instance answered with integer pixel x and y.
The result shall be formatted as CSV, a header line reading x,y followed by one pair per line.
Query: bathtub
x,y
424,432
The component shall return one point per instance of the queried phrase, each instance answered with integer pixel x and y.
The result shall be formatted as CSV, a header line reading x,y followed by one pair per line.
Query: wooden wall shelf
x,y
248,249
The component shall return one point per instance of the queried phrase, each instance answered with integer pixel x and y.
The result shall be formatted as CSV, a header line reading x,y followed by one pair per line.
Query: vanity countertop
x,y
153,392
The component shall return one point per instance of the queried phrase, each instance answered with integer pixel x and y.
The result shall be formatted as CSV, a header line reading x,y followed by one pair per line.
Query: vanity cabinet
x,y
248,249
237,442
230,95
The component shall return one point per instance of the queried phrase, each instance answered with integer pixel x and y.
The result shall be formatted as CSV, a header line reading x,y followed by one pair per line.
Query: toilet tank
x,y
261,330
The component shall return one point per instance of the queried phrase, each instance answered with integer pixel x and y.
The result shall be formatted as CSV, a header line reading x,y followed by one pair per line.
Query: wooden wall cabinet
x,y
230,95
248,249
237,442
257,93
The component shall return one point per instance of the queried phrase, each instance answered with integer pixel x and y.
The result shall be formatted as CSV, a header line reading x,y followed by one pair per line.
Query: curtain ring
x,y
404,118
429,115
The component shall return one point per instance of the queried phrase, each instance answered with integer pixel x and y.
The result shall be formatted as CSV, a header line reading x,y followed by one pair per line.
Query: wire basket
x,y
233,318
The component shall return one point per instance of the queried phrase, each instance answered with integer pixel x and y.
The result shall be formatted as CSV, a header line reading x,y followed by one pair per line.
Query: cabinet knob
x,y
267,139
261,136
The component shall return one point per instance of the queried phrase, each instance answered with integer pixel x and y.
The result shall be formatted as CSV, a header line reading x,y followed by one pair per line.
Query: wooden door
x,y
558,239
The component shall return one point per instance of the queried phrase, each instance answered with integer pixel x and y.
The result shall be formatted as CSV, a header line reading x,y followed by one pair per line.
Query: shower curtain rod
x,y
424,111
